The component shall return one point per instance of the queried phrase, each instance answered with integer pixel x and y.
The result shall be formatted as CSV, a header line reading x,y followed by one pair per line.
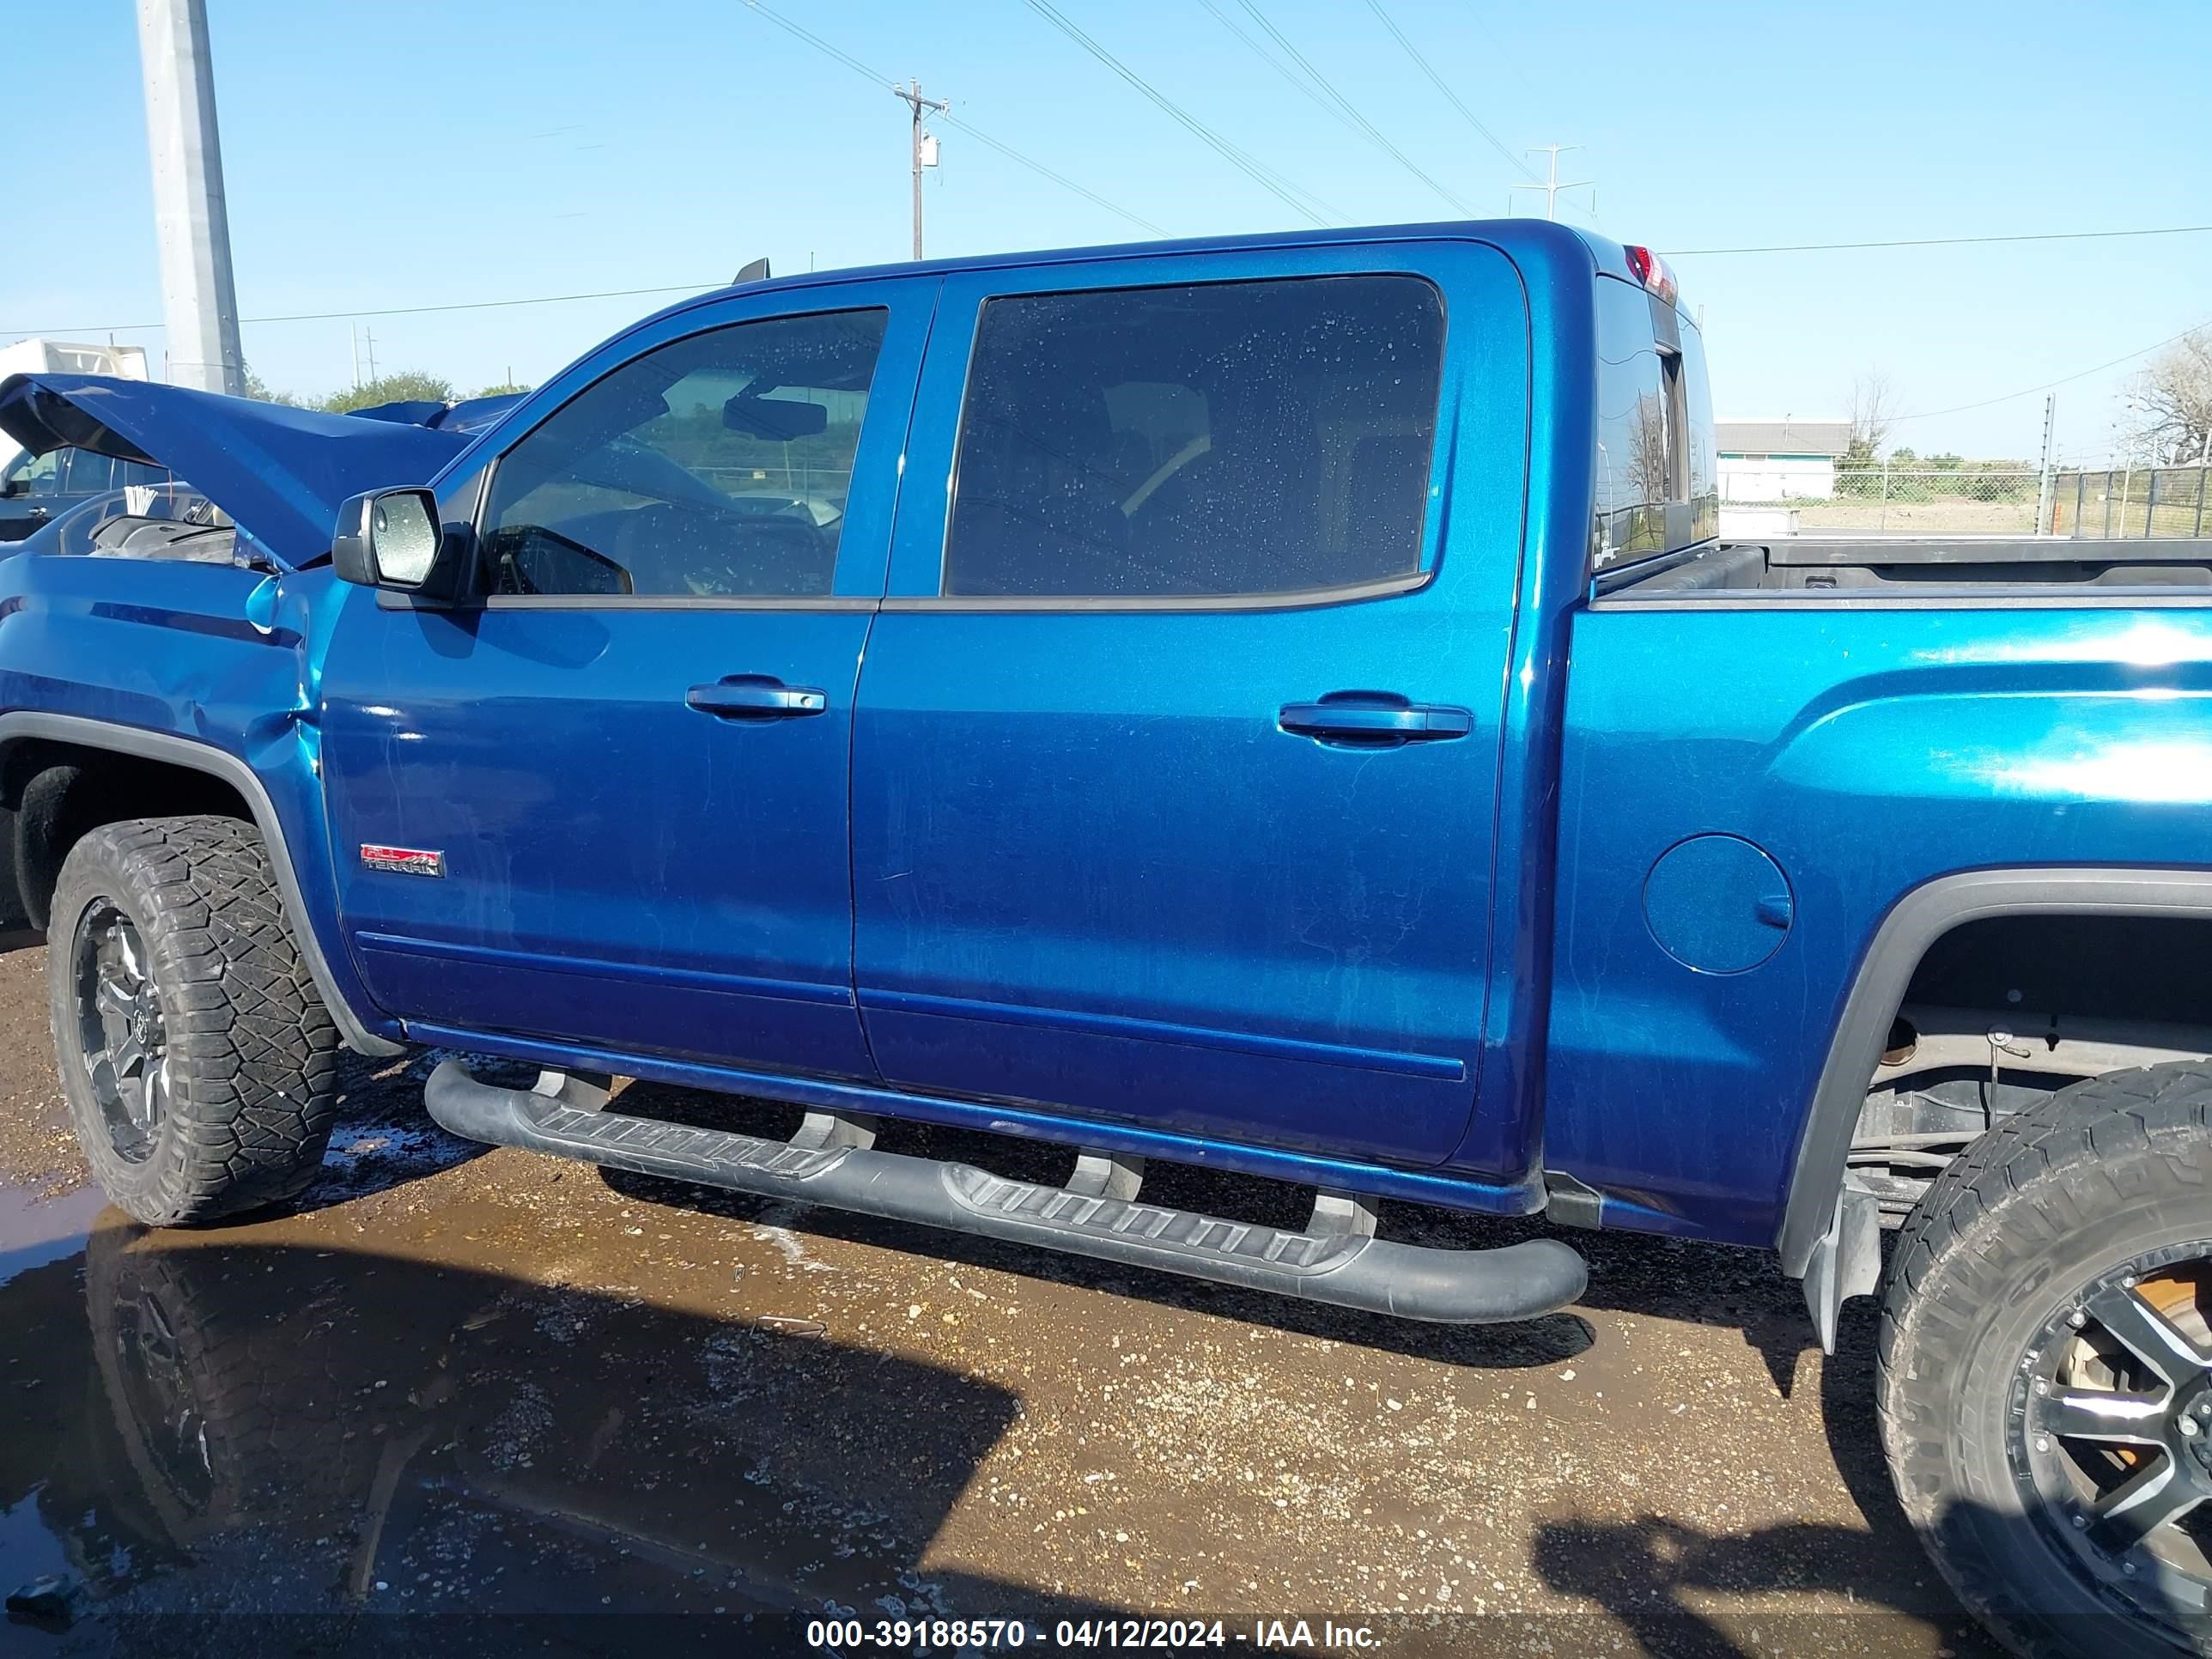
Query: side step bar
x,y
832,1161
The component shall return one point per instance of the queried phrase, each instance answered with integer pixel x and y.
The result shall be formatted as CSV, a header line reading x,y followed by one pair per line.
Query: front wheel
x,y
199,1063
2045,1370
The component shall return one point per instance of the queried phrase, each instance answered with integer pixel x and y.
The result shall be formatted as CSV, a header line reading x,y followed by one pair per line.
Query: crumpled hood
x,y
280,473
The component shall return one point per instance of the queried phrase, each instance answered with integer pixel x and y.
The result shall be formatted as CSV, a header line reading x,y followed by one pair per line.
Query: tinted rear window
x,y
1227,439
1656,471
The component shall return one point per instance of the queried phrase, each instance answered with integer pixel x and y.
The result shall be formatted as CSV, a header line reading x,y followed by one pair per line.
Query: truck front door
x,y
607,804
1177,757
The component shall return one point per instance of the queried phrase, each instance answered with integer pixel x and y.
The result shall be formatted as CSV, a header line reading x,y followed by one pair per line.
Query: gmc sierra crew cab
x,y
1276,703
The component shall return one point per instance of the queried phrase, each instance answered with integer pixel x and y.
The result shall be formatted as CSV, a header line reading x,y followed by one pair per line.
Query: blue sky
x,y
413,153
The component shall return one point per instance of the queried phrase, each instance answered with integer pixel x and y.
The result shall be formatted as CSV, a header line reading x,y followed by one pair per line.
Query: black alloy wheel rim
x,y
123,1039
2109,1436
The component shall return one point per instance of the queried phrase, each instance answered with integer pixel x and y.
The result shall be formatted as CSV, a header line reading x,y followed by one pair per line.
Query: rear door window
x,y
1230,439
89,474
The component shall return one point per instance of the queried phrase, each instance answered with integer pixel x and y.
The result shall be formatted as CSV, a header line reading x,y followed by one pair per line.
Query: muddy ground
x,y
529,1408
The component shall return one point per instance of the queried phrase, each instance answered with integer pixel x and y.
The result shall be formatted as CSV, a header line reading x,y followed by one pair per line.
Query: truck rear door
x,y
1175,752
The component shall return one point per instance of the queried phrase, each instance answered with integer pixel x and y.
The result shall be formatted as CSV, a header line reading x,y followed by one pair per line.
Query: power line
x,y
1949,241
1444,87
972,130
1043,171
1350,111
1273,183
1259,49
819,44
389,311
1277,65
1505,53
2082,374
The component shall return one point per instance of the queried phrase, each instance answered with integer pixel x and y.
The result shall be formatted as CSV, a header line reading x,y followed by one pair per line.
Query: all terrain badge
x,y
405,861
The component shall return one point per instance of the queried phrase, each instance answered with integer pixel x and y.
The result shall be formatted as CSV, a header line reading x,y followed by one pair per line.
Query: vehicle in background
x,y
469,415
36,488
1278,704
43,356
90,490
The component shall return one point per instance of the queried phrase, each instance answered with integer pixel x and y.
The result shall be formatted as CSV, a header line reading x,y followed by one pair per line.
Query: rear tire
x,y
2046,1354
198,1061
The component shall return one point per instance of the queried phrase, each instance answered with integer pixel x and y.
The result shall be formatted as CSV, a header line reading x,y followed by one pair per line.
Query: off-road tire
x,y
2032,1213
253,1074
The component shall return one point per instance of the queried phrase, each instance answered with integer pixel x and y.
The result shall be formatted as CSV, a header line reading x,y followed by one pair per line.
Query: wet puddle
x,y
217,1429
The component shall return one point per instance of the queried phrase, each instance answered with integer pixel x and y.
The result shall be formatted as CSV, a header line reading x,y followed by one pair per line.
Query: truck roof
x,y
1510,234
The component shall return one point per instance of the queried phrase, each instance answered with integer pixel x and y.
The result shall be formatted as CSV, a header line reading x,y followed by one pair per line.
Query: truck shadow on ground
x,y
1669,1581
235,1447
239,1447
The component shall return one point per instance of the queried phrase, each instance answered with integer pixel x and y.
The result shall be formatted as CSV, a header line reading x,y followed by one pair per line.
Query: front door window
x,y
714,467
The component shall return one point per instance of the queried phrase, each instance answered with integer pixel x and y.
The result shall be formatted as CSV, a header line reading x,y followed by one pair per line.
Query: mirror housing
x,y
391,540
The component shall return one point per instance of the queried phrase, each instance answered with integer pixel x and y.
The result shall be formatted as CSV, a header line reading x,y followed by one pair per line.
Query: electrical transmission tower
x,y
1553,184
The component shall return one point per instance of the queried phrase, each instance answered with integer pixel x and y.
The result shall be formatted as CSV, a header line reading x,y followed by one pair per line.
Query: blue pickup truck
x,y
1277,704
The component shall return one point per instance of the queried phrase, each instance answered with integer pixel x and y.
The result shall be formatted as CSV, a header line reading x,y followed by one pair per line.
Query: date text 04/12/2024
x,y
917,1636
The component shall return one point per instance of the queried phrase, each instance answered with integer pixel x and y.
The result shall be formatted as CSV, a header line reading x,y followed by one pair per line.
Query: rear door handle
x,y
755,697
1374,719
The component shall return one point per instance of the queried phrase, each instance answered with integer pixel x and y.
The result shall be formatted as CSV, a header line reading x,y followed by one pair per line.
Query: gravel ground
x,y
500,1394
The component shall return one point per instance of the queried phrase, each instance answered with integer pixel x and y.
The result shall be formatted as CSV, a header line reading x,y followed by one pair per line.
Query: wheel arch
x,y
1811,1219
25,732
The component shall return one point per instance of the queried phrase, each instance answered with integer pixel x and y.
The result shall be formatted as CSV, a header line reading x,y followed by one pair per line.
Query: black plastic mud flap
x,y
1337,1260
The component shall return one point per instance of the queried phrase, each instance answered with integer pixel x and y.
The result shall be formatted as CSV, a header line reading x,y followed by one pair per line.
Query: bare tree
x,y
2173,401
1874,411
1648,457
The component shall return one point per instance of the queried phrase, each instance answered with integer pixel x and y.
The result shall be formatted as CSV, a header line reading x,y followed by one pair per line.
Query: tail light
x,y
1648,269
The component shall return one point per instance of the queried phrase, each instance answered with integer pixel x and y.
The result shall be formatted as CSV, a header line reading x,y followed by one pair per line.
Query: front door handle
x,y
1374,719
755,697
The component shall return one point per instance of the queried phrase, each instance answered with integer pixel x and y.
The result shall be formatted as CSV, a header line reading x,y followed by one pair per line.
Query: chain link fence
x,y
2117,503
2132,503
1917,500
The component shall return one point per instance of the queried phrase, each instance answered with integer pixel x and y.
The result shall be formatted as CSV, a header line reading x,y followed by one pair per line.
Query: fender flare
x,y
221,763
1810,1217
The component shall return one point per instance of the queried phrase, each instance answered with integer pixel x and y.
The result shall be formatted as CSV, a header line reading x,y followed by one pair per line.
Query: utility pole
x,y
2043,491
1552,184
200,307
925,145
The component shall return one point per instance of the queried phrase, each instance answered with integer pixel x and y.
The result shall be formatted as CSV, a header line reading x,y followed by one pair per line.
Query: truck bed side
x,y
1848,754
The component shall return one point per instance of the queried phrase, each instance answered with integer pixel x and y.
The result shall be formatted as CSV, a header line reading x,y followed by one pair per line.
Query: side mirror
x,y
391,538
10,488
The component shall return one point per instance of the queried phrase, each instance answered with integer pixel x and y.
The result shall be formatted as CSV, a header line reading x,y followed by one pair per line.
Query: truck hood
x,y
280,473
